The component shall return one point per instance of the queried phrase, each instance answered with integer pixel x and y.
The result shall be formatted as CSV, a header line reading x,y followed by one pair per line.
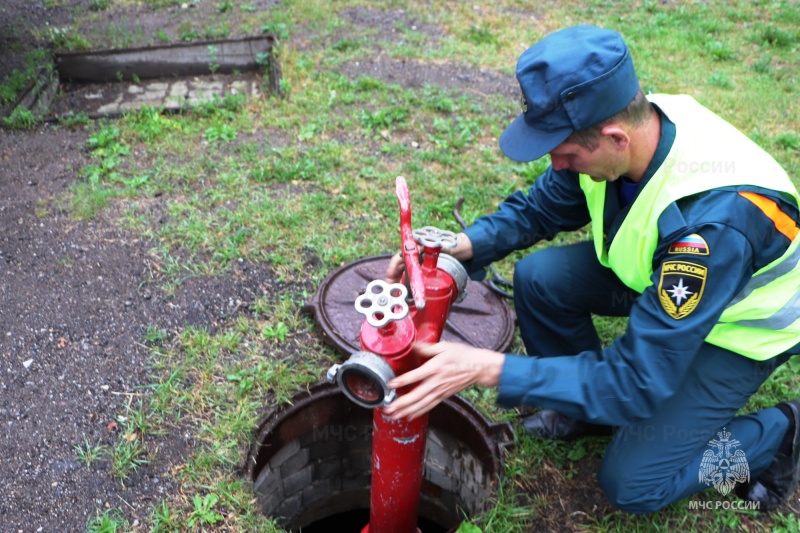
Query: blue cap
x,y
570,80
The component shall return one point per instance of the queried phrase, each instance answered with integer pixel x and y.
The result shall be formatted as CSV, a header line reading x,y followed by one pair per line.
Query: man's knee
x,y
534,274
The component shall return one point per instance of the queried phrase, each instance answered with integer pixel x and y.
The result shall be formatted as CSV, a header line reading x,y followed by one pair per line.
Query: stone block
x,y
284,453
296,482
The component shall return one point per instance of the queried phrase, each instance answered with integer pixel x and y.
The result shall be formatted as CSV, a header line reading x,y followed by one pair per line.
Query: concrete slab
x,y
113,99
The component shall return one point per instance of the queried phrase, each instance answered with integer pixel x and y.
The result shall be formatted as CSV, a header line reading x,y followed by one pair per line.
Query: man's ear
x,y
617,135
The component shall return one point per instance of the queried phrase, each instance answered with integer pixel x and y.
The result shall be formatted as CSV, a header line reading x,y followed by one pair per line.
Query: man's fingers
x,y
412,376
395,269
414,403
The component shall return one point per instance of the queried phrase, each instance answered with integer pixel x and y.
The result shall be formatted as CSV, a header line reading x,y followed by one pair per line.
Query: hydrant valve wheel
x,y
435,237
383,302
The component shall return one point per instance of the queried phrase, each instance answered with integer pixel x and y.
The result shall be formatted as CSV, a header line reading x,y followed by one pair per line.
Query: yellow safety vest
x,y
763,320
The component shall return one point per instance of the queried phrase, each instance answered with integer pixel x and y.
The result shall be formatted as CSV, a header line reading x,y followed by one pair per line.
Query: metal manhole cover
x,y
482,319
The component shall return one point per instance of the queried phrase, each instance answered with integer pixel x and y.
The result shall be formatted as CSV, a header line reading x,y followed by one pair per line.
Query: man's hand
x,y
450,368
462,251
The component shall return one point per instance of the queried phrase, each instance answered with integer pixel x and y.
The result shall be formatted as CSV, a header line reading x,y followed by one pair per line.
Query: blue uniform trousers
x,y
655,462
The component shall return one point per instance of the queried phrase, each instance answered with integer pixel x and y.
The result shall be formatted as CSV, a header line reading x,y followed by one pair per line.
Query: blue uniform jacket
x,y
626,381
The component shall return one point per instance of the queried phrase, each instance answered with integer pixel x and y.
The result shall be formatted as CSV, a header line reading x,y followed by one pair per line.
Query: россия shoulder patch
x,y
691,244
681,287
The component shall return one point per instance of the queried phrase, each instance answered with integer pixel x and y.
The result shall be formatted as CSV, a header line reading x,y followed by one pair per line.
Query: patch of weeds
x,y
19,80
775,36
437,100
721,80
109,521
120,35
719,51
149,123
155,335
225,6
450,134
213,58
368,84
220,106
162,36
276,332
74,120
203,513
127,456
279,29
346,45
383,118
106,146
138,422
248,8
788,141
223,132
216,31
163,519
20,119
189,35
99,5
785,523
66,39
88,453
480,35
763,65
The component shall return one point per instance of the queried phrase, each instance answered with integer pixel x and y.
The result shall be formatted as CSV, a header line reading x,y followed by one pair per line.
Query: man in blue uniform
x,y
695,238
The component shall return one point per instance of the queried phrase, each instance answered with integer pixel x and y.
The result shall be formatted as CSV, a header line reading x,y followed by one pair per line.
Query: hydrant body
x,y
392,327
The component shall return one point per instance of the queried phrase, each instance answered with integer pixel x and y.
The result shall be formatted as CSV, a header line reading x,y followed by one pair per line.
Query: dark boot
x,y
779,480
547,424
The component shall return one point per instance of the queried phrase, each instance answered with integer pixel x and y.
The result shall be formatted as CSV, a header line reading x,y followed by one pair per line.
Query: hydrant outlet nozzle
x,y
364,379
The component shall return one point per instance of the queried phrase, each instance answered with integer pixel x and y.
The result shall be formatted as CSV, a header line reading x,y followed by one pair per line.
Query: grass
x,y
308,180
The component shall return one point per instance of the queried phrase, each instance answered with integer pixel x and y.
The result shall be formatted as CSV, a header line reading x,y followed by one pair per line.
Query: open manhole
x,y
482,319
311,463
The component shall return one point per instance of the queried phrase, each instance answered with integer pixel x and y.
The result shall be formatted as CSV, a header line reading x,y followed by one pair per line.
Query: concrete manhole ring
x,y
311,463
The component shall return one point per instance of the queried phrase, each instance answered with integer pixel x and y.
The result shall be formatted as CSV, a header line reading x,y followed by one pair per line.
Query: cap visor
x,y
522,143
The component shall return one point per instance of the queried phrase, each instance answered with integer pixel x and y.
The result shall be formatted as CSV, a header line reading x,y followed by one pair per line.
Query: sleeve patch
x,y
681,287
691,244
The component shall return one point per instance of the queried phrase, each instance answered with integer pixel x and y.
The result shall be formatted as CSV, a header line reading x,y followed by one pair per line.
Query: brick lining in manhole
x,y
312,461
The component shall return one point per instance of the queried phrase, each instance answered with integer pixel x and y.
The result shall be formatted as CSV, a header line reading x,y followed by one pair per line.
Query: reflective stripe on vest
x,y
764,319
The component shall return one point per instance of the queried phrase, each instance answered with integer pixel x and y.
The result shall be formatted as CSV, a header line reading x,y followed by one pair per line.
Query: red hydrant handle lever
x,y
410,254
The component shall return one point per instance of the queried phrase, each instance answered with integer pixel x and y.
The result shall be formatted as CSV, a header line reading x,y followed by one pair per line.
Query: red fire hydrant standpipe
x,y
390,329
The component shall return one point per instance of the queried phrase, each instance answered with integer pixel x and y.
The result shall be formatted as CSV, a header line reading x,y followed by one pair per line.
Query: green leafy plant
x,y
164,520
222,132
213,58
480,35
109,521
277,331
18,80
74,120
88,453
21,119
279,29
203,513
126,457
719,51
66,39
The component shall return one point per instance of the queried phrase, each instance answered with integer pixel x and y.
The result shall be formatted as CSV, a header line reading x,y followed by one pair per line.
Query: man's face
x,y
600,164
